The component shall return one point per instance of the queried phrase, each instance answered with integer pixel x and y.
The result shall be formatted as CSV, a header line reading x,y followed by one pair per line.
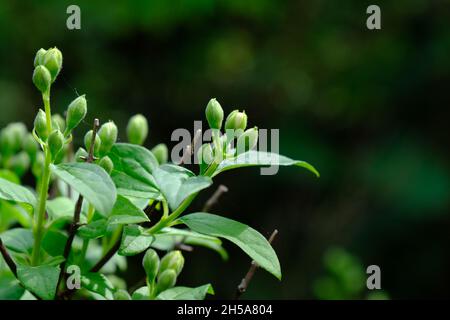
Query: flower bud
x,y
20,163
30,146
38,164
55,143
121,295
161,153
58,122
173,260
81,155
42,78
52,60
151,264
106,163
88,142
248,140
236,121
205,154
11,138
137,129
40,125
108,136
166,280
75,113
39,58
214,114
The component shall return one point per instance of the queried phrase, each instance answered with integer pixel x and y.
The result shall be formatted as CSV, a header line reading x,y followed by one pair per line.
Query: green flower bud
x,y
20,163
214,114
166,280
205,154
42,78
40,125
55,143
11,138
106,163
161,153
52,60
39,58
108,136
137,129
38,164
236,121
58,122
88,142
151,264
247,141
30,146
81,155
75,113
121,295
173,260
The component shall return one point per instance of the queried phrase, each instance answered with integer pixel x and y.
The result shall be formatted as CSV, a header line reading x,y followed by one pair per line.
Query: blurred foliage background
x,y
368,108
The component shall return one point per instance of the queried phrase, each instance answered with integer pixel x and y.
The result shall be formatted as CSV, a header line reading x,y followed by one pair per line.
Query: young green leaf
x,y
248,239
141,294
261,159
134,240
41,280
98,283
10,288
125,212
177,183
91,181
53,242
14,192
93,230
185,293
18,240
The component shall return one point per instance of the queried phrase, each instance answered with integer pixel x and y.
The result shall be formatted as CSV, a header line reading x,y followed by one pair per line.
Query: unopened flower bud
x,y
108,136
38,164
81,155
166,280
20,163
121,294
173,260
42,78
214,114
106,163
58,122
11,138
52,60
88,142
151,264
40,125
39,58
30,146
137,129
75,113
161,153
248,140
55,143
236,121
205,154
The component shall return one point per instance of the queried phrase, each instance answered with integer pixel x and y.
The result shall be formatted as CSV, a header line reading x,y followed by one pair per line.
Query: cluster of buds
x,y
47,66
235,132
162,274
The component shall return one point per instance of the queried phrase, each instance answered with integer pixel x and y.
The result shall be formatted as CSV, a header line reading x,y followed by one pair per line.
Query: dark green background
x,y
368,108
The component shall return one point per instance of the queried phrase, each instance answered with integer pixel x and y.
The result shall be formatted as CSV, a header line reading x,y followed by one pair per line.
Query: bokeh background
x,y
368,108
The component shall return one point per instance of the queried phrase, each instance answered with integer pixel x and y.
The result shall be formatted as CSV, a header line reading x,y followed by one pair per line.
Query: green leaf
x,y
261,159
177,183
40,280
14,192
186,293
169,237
132,174
54,242
93,230
141,294
248,239
10,288
18,240
98,283
91,181
134,240
125,212
11,213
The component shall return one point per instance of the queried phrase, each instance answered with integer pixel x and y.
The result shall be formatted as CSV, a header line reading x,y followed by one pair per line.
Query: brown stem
x,y
190,149
242,287
215,197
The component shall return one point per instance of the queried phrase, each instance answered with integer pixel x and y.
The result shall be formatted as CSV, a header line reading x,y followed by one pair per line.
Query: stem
x,y
9,261
106,257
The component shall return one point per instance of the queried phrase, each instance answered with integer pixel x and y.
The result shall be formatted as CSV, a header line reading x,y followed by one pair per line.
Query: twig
x,y
190,149
242,287
215,197
106,257
76,216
